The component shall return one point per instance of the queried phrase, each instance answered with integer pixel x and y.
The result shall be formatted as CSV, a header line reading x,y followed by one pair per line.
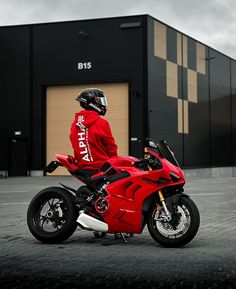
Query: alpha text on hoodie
x,y
92,140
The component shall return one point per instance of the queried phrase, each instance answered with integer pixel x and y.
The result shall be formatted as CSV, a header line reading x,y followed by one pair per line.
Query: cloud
x,y
212,22
27,11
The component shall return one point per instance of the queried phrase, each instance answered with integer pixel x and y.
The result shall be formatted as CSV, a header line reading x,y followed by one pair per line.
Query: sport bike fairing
x,y
126,197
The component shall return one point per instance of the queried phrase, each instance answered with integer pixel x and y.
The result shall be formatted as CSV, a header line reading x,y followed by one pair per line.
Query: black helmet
x,y
93,99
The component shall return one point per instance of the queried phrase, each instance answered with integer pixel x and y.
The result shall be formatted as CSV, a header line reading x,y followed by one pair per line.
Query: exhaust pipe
x,y
90,223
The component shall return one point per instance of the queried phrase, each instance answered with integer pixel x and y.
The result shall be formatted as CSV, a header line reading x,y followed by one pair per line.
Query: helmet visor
x,y
103,101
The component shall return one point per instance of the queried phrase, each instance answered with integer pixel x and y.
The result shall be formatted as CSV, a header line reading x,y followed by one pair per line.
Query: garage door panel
x,y
62,115
60,150
56,142
57,124
61,108
57,129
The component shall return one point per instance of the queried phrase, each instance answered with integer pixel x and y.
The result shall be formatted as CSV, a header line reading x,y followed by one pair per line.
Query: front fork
x,y
164,207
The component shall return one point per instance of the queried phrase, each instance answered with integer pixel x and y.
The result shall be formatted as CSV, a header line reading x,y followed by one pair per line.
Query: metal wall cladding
x,y
14,87
163,80
220,109
190,103
196,90
233,87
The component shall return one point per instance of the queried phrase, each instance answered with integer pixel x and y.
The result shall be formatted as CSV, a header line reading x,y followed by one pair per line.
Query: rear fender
x,y
70,191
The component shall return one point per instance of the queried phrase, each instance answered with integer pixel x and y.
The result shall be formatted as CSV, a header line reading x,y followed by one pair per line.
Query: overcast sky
x,y
212,22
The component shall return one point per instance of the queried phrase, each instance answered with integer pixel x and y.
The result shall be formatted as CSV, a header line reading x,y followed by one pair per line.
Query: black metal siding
x,y
14,87
210,141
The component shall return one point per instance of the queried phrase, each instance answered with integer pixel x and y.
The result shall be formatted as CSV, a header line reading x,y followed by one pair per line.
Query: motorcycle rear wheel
x,y
51,215
185,228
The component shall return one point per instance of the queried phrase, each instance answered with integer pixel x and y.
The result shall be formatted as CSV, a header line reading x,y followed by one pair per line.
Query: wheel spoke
x,y
58,202
49,203
52,201
41,217
43,221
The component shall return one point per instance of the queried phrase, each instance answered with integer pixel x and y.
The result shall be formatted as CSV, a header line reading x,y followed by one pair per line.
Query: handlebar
x,y
145,163
141,162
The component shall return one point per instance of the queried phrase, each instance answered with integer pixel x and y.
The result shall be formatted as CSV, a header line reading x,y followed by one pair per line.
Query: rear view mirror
x,y
150,143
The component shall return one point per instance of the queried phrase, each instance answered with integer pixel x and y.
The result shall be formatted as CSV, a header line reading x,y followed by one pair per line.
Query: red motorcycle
x,y
124,196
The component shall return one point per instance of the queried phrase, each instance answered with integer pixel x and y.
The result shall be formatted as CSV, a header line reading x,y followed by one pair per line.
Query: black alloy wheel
x,y
51,215
180,230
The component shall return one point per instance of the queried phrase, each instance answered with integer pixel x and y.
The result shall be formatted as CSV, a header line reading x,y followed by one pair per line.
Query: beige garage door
x,y
62,106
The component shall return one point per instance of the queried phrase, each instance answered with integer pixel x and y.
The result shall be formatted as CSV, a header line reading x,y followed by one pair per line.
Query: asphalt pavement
x,y
209,261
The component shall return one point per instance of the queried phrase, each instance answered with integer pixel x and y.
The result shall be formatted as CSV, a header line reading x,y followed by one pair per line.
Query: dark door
x,y
17,157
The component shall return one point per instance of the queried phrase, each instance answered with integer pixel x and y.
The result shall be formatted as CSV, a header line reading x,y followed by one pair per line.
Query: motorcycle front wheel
x,y
182,227
51,215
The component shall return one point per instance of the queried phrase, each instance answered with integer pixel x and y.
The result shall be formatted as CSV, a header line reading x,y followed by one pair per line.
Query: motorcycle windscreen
x,y
167,153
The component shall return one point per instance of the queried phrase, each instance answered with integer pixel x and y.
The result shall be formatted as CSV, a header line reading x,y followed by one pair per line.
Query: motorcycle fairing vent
x,y
174,177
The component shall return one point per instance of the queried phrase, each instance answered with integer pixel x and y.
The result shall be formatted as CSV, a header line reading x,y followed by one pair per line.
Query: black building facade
x,y
178,88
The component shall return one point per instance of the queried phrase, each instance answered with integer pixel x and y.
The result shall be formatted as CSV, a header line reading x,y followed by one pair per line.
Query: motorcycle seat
x,y
93,183
85,173
86,177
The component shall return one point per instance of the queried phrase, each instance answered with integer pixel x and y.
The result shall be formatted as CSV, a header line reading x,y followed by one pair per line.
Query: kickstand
x,y
123,238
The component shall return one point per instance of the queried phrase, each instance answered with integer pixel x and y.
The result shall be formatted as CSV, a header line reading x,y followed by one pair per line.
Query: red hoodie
x,y
91,140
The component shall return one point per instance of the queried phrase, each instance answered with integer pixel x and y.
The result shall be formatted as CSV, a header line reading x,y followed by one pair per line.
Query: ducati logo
x,y
150,181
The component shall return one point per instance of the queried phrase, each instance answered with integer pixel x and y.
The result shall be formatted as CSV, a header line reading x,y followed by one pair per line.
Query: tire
x,y
52,215
161,231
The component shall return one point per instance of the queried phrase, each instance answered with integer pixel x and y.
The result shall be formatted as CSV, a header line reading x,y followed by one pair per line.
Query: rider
x,y
91,136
